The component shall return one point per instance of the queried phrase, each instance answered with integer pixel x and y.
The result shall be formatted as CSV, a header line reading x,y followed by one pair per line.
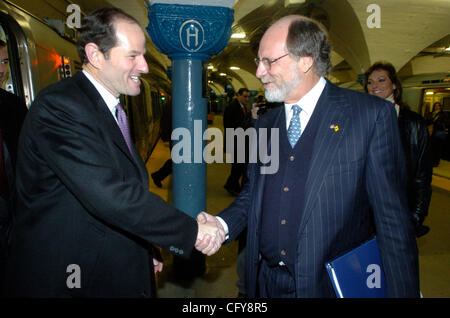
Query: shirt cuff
x,y
224,225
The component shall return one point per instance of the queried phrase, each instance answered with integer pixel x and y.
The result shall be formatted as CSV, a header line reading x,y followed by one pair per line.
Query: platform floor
x,y
219,279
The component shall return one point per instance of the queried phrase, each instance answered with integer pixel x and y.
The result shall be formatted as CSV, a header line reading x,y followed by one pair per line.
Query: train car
x,y
144,115
43,51
422,91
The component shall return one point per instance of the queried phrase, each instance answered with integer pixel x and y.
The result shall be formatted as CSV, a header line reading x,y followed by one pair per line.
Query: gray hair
x,y
307,37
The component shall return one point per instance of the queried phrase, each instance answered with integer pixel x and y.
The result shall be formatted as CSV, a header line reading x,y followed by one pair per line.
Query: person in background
x,y
12,114
381,80
166,133
4,63
341,172
439,133
85,223
235,116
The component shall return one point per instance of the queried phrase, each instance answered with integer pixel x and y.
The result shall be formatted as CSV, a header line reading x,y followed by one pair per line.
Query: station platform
x,y
219,279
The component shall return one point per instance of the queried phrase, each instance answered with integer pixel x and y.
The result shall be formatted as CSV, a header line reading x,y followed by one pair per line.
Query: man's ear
x,y
94,55
305,63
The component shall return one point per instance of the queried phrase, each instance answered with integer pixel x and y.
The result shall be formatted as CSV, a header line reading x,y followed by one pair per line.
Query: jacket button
x,y
285,189
283,222
291,158
283,252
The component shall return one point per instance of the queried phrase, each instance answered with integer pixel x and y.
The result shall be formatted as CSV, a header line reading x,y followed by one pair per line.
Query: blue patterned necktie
x,y
294,129
123,125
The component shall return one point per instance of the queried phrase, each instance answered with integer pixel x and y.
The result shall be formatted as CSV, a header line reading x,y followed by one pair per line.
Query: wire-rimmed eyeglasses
x,y
268,62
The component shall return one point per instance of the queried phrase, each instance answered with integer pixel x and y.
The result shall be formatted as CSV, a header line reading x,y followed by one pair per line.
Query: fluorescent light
x,y
288,3
210,67
240,35
234,68
222,74
429,93
447,49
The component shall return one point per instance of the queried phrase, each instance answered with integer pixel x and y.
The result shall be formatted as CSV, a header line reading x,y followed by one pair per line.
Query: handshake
x,y
211,234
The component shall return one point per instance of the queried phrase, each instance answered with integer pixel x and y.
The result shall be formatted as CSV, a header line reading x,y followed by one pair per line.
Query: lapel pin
x,y
335,127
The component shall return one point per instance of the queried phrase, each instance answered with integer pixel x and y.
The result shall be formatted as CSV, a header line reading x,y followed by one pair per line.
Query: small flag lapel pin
x,y
335,127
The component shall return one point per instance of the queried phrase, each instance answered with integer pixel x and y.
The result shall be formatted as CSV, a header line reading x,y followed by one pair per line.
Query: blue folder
x,y
358,273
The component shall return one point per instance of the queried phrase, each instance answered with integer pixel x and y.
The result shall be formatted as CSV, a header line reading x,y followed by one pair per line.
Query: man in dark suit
x,y
235,116
340,159
85,220
12,113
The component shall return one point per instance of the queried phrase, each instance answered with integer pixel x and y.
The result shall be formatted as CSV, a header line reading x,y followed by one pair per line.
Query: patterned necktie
x,y
294,129
123,125
4,187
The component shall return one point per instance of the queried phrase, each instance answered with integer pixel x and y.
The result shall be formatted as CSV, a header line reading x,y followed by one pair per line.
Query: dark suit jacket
x,y
12,113
357,164
84,200
234,116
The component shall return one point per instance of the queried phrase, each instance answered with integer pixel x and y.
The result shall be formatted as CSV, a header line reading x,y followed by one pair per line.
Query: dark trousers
x,y
275,282
237,171
164,171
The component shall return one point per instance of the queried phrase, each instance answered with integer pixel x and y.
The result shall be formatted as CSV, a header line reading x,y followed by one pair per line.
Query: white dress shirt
x,y
110,100
307,103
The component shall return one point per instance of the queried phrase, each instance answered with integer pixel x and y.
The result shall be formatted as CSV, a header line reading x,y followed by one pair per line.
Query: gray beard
x,y
280,93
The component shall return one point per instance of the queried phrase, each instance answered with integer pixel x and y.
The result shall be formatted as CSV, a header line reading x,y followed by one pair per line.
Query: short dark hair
x,y
390,69
242,91
2,43
99,27
307,37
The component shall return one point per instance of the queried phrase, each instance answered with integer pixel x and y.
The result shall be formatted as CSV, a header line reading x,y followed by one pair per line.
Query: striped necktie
x,y
123,125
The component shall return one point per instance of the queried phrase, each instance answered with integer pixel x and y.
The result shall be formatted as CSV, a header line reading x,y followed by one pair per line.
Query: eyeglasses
x,y
267,62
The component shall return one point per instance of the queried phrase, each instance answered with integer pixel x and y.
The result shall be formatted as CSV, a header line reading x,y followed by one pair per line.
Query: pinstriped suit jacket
x,y
357,166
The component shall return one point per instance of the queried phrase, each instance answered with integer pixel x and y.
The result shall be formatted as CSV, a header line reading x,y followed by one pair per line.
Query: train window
x,y
6,78
11,79
156,106
446,104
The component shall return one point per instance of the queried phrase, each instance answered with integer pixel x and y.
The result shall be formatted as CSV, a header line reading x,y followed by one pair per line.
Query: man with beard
x,y
340,157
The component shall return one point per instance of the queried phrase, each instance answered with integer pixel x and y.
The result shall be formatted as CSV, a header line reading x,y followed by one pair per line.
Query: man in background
x,y
12,114
235,116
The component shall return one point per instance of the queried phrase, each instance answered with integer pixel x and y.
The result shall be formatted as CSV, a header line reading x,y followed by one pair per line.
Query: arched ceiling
x,y
413,34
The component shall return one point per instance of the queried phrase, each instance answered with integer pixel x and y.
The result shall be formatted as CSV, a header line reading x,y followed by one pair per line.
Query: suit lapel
x,y
110,123
334,112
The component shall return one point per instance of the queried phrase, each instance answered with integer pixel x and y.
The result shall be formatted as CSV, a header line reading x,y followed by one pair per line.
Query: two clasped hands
x,y
211,234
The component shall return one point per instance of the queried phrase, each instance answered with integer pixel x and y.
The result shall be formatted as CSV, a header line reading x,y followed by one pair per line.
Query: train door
x,y
15,59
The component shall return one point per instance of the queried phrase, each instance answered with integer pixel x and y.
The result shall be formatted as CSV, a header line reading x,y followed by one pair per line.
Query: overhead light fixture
x,y
210,67
429,93
240,35
222,74
447,48
290,3
234,68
